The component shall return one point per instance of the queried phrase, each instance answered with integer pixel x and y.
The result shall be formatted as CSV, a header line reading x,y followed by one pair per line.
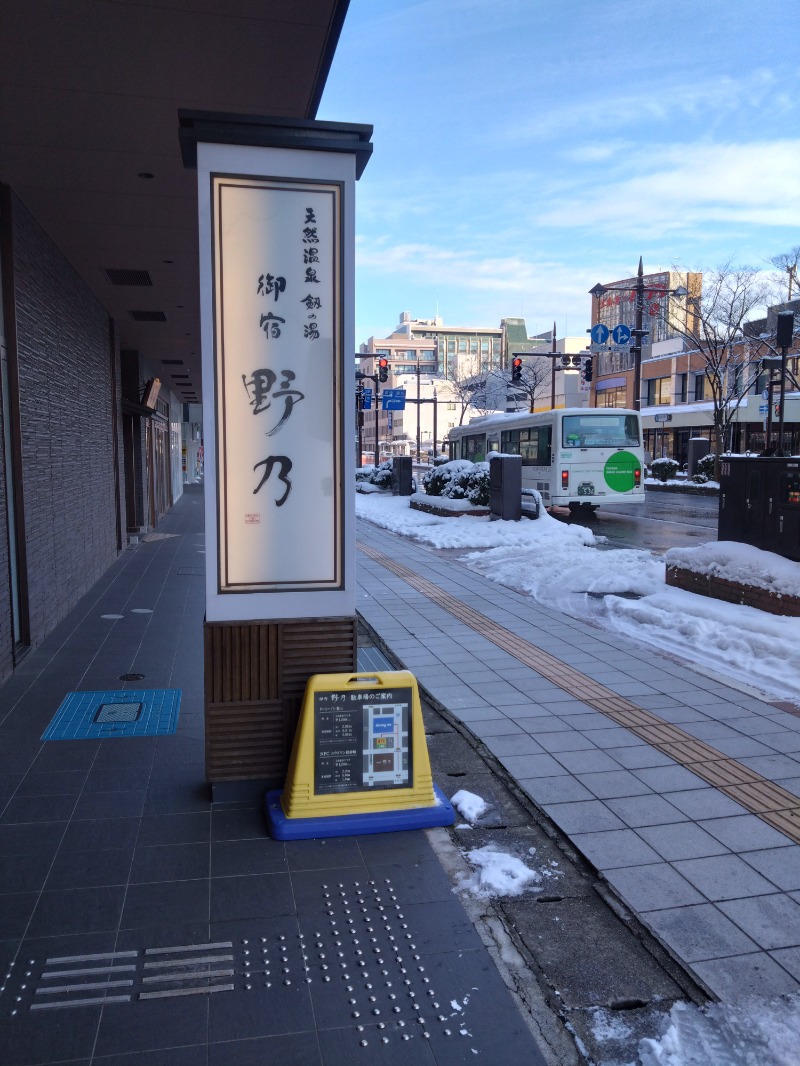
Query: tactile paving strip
x,y
356,953
761,797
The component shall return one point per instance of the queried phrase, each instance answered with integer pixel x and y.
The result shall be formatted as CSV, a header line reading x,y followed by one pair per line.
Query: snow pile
x,y
472,531
469,805
497,874
556,569
754,1033
681,483
740,562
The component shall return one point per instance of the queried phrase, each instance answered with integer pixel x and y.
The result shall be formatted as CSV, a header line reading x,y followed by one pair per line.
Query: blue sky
x,y
526,149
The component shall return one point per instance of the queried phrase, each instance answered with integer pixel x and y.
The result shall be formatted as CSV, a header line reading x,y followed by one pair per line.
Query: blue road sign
x,y
599,333
621,334
763,408
393,400
366,400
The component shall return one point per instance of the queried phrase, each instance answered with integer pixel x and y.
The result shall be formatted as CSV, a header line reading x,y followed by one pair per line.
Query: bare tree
x,y
788,263
469,386
715,327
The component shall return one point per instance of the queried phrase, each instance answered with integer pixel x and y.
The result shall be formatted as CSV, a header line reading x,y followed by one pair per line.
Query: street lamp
x,y
637,332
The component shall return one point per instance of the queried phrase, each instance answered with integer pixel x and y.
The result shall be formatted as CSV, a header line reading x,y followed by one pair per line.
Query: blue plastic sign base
x,y
348,825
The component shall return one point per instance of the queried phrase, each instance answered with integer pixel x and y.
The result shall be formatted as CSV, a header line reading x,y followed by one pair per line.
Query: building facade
x,y
678,406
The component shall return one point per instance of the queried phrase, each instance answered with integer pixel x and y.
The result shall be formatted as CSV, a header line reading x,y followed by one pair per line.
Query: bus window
x,y
510,441
532,444
474,448
600,431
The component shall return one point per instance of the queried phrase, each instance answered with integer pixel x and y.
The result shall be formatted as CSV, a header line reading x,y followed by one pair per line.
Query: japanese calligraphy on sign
x,y
277,248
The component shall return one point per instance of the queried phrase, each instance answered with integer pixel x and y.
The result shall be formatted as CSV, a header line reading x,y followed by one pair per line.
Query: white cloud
x,y
713,101
752,184
466,268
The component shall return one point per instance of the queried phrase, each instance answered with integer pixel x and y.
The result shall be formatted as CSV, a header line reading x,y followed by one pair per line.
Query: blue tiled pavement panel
x,y
132,713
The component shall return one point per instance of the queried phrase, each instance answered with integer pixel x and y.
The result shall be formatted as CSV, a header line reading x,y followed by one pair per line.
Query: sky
x,y
623,590
526,149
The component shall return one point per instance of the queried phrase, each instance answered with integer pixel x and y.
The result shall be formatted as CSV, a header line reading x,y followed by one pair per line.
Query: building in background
x,y
434,363
663,314
676,397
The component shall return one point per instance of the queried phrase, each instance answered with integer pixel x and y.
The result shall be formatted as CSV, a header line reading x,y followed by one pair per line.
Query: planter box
x,y
720,588
447,512
686,490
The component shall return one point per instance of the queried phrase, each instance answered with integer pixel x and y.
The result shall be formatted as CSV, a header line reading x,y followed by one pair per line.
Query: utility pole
x,y
783,337
418,408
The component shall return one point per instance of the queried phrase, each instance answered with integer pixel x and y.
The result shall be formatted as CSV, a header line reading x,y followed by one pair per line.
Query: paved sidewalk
x,y
681,790
142,926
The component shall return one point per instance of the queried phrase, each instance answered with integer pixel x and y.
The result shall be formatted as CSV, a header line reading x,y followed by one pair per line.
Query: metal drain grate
x,y
118,712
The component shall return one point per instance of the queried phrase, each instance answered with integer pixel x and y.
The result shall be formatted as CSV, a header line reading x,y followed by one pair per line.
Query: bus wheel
x,y
584,510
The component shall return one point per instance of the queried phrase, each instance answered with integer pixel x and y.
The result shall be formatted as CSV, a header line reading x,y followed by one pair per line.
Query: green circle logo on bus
x,y
619,470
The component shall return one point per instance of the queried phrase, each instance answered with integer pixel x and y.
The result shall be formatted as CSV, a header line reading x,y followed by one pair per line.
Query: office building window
x,y
612,397
658,391
700,387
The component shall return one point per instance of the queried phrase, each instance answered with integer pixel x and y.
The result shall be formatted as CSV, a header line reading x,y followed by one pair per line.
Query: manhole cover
x,y
131,677
118,712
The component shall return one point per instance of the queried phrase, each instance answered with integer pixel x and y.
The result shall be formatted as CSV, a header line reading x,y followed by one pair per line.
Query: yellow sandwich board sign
x,y
360,761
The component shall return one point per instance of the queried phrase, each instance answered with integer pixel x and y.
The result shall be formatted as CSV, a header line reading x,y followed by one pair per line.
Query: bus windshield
x,y
594,430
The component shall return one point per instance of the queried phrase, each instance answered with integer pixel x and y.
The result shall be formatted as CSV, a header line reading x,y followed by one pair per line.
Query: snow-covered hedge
x,y
664,469
459,479
705,467
380,476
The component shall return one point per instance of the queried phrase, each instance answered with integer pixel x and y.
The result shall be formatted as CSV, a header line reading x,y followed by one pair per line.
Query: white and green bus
x,y
575,457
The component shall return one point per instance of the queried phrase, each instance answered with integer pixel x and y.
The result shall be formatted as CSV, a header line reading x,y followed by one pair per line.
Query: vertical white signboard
x,y
279,281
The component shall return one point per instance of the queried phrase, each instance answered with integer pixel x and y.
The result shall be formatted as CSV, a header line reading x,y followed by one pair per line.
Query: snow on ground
x,y
622,590
469,805
754,1033
497,874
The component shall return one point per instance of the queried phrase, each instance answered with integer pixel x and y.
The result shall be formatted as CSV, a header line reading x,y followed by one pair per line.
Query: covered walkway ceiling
x,y
89,97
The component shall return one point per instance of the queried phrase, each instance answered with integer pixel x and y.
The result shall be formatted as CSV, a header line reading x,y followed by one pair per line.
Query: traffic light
x,y
516,369
587,370
383,370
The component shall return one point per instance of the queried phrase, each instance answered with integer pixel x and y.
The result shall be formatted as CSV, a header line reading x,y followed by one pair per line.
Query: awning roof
x,y
89,135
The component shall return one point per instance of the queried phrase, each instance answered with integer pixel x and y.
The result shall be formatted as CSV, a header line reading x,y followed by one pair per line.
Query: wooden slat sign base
x,y
255,677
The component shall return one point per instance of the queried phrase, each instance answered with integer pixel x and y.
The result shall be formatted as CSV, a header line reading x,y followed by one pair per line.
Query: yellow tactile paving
x,y
769,801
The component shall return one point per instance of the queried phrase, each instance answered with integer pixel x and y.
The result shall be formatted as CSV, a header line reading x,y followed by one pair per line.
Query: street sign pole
x,y
360,416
